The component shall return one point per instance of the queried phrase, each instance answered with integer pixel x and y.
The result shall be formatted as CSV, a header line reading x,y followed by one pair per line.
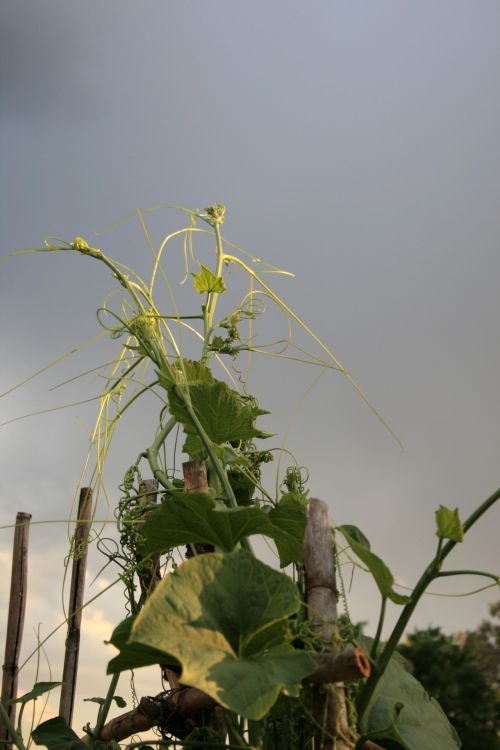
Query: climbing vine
x,y
198,602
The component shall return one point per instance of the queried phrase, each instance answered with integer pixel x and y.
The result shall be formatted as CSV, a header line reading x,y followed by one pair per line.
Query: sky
x,y
355,144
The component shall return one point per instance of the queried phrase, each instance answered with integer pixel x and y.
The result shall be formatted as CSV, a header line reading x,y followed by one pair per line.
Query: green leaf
x,y
194,517
290,519
205,281
120,702
220,616
55,734
448,524
223,413
132,655
37,690
400,710
184,372
379,570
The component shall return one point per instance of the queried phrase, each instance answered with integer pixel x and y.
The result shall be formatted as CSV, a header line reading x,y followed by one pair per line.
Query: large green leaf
x,y
402,711
55,734
220,615
379,570
194,517
132,655
448,524
224,414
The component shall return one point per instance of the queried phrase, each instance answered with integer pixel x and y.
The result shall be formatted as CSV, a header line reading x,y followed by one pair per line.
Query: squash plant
x,y
222,621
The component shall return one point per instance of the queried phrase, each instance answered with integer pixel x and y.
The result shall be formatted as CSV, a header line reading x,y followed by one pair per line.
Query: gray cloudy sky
x,y
354,143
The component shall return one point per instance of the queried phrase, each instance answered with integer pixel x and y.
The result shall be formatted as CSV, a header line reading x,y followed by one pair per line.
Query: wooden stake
x,y
321,595
150,578
80,549
195,480
15,619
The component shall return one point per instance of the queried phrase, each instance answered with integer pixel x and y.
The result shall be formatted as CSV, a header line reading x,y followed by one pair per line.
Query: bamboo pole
x,y
80,549
321,596
15,619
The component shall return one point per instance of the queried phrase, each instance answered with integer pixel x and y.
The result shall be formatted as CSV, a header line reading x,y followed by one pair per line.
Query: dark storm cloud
x,y
46,54
356,144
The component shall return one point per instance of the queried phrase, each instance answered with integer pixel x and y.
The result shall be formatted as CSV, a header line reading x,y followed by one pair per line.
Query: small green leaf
x,y
220,616
379,570
55,734
448,524
120,702
205,281
37,690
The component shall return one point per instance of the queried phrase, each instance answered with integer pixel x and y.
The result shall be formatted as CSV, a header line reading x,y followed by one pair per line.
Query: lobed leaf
x,y
448,524
224,415
205,281
194,517
222,617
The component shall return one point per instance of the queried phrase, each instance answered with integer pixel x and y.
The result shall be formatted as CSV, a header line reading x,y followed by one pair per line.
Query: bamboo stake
x,y
15,620
80,549
321,595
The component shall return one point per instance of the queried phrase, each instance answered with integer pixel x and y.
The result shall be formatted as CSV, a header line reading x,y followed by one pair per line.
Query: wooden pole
x,y
352,664
150,578
321,596
15,619
80,549
195,480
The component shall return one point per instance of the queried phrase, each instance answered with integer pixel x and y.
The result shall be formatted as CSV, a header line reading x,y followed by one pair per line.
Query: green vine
x,y
249,651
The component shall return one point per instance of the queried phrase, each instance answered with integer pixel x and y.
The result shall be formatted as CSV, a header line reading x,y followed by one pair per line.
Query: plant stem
x,y
104,709
431,572
15,736
209,308
213,296
152,455
373,651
